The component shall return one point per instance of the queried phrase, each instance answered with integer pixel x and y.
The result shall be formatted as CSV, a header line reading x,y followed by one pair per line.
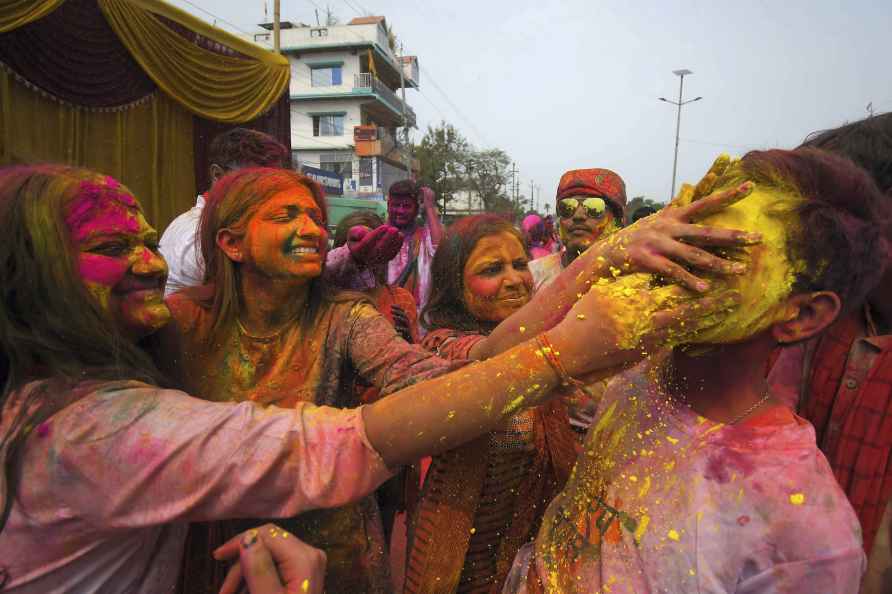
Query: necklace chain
x,y
244,330
755,406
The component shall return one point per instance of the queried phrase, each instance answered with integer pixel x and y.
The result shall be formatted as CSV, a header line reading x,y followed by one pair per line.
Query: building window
x,y
342,168
328,125
366,171
325,76
321,32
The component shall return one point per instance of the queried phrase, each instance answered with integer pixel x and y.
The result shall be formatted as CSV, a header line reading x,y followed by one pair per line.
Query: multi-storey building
x,y
347,107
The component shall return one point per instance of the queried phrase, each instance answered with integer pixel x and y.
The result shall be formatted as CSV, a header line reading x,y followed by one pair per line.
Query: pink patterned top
x,y
110,482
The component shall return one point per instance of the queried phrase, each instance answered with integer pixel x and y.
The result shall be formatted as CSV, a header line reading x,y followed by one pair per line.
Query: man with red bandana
x,y
590,205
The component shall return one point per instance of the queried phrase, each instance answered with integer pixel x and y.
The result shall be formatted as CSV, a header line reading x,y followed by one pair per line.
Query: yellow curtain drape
x,y
230,89
148,146
15,13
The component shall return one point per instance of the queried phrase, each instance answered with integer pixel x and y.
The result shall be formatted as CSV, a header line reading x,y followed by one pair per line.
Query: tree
x,y
450,165
487,174
443,156
640,202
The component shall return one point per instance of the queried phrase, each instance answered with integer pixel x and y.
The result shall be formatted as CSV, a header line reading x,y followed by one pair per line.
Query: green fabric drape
x,y
15,13
147,146
225,88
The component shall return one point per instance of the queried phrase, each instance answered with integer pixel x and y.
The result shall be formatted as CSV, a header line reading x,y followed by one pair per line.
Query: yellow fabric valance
x,y
148,147
15,13
226,88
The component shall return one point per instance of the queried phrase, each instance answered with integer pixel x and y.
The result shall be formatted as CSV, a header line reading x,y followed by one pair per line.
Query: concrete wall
x,y
302,123
300,72
308,37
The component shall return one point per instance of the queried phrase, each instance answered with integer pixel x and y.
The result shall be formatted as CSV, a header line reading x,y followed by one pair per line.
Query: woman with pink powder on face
x,y
104,465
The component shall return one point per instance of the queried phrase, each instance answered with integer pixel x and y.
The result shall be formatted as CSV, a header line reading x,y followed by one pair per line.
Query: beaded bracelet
x,y
552,357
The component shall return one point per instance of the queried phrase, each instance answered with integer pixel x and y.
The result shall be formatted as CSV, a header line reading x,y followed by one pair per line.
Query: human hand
x,y
667,241
272,561
617,323
428,198
376,246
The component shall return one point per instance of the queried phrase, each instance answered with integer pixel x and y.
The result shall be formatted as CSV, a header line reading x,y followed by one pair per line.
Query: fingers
x,y
716,202
675,272
229,549
684,197
300,566
694,256
686,319
715,236
233,576
706,185
258,566
378,245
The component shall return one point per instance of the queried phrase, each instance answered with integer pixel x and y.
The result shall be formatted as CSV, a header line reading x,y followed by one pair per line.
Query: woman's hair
x,y
363,217
446,306
51,327
839,218
867,142
230,205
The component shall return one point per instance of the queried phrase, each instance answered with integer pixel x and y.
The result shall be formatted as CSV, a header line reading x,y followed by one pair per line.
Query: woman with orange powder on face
x,y
482,501
102,467
265,328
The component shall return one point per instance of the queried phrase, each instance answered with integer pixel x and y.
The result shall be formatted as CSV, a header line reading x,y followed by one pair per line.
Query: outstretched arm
x,y
663,243
445,412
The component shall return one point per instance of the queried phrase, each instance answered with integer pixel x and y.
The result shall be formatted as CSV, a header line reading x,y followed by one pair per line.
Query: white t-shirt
x,y
180,247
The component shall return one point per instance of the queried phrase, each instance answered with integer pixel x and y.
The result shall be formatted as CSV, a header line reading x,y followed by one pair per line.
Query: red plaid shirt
x,y
848,399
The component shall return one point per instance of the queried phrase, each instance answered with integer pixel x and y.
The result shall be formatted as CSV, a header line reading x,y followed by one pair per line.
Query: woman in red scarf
x,y
484,500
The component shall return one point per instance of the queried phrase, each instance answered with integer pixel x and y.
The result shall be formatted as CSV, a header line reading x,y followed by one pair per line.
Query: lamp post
x,y
680,74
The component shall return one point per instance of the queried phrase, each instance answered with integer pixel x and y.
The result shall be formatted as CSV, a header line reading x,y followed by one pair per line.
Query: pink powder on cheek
x,y
484,288
101,270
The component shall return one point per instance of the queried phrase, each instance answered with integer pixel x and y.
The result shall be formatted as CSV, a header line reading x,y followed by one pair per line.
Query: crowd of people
x,y
691,399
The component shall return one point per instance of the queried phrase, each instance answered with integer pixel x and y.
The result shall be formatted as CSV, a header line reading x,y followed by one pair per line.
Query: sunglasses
x,y
594,207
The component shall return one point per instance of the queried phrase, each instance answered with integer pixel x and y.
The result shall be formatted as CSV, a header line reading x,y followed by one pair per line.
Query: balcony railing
x,y
368,81
372,141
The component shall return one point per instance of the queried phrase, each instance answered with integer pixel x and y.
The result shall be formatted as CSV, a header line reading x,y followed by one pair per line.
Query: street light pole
x,y
680,74
277,43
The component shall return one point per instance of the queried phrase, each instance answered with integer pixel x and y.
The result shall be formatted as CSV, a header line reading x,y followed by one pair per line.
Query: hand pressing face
x,y
770,273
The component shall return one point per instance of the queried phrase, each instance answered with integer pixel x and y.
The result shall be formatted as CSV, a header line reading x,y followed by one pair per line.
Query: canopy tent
x,y
132,88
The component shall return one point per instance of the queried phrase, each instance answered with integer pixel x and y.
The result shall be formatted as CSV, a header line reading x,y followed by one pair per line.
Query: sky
x,y
575,84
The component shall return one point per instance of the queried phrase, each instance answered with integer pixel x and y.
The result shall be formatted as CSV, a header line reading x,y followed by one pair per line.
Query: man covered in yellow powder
x,y
694,477
589,205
